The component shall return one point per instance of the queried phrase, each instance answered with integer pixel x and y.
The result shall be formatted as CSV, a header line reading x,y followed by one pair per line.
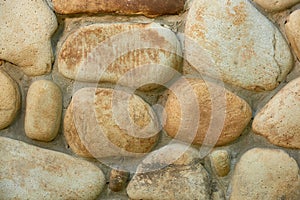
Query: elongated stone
x,y
292,29
29,172
275,5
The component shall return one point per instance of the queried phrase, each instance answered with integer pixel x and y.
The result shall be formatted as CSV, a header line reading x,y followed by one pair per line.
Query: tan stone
x,y
43,110
266,174
233,42
220,162
26,29
196,109
103,123
128,54
275,5
117,180
292,28
144,7
29,172
279,119
9,99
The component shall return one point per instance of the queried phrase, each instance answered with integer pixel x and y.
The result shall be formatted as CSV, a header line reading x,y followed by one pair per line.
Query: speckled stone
x,y
275,5
220,162
292,28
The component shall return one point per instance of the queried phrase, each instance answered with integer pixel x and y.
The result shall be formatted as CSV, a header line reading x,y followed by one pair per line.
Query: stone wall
x,y
164,99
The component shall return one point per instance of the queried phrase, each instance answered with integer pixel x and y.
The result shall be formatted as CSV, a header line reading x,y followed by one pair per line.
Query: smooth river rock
x,y
220,162
29,172
43,110
9,99
292,30
266,174
125,53
25,33
170,173
279,119
232,41
103,122
196,109
276,5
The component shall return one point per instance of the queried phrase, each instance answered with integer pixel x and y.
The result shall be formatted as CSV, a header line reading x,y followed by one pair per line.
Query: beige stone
x,y
9,99
232,41
275,5
279,119
196,109
105,122
129,54
144,7
117,180
43,110
265,174
172,172
220,162
26,28
29,172
292,28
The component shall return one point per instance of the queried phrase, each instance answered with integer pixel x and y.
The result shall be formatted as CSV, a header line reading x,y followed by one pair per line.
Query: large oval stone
x,y
128,54
43,110
29,172
279,119
232,41
9,100
201,112
103,122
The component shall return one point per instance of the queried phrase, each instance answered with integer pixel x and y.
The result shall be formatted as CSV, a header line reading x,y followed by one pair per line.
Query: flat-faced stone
x,y
275,5
105,122
232,41
43,110
9,99
128,54
144,7
29,172
172,172
25,31
279,119
202,112
265,174
292,28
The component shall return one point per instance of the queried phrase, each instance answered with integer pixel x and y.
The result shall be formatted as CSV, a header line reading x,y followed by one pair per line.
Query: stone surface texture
x,y
25,30
29,172
43,110
292,28
275,5
232,41
266,174
9,99
220,161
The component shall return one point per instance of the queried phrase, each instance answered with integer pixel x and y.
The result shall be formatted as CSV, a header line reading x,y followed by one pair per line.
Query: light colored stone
x,y
279,119
105,122
292,28
9,99
196,109
220,162
29,172
266,174
144,7
128,54
232,41
276,5
43,110
172,172
117,180
25,30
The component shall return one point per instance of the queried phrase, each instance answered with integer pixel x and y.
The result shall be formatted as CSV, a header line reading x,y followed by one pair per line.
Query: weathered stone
x,y
25,30
275,5
128,54
279,119
9,100
266,174
220,161
43,110
172,172
29,172
196,109
292,28
232,41
105,122
144,7
117,180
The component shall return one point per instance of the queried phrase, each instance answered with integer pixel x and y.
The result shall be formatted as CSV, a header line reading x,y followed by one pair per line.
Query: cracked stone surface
x,y
232,41
275,5
25,30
